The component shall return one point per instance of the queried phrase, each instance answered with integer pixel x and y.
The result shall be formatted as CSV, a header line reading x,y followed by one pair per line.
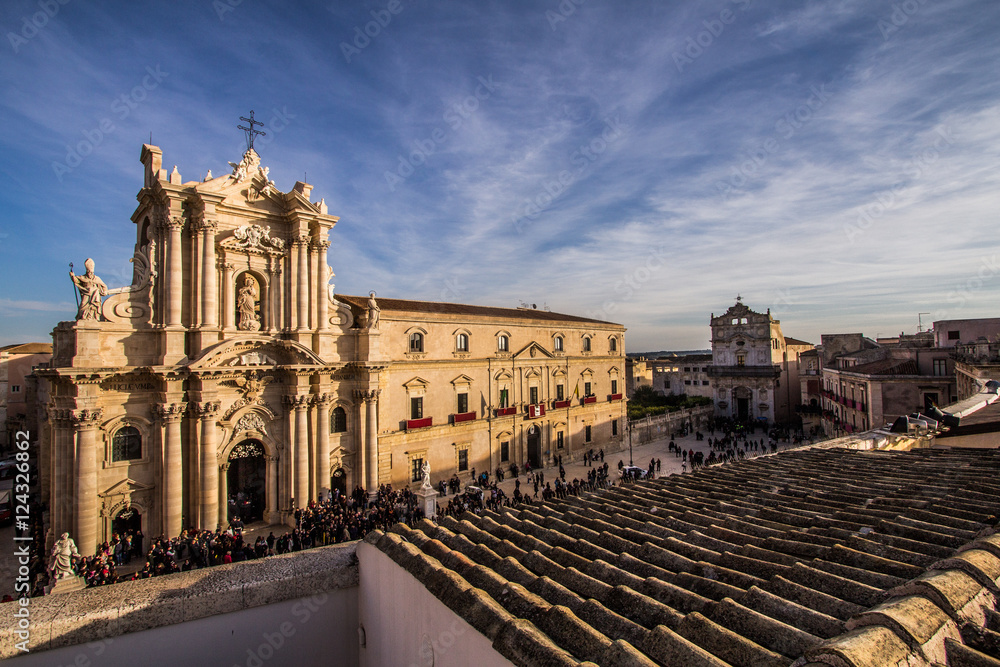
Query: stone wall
x,y
661,426
301,606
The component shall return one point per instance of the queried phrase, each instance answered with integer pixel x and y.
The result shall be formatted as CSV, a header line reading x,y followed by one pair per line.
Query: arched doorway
x,y
741,401
128,520
246,481
535,446
338,482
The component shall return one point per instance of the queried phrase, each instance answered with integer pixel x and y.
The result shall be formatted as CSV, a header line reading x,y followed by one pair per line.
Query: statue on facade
x,y
246,305
373,312
63,553
426,470
91,290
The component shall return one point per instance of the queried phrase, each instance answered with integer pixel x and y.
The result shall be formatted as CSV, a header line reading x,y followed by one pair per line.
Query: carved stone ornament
x,y
255,236
91,289
251,421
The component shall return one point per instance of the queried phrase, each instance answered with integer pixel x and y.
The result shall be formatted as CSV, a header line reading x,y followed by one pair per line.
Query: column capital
x,y
367,395
321,246
205,410
170,412
296,401
86,418
174,223
301,240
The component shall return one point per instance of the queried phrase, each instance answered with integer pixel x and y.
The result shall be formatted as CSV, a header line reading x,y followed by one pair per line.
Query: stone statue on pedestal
x,y
426,470
91,290
63,553
373,312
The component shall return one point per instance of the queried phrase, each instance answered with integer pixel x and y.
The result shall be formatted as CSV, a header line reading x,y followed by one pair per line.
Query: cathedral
x,y
229,380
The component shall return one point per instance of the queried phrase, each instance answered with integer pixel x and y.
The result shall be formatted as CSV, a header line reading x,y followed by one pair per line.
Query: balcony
x,y
460,417
412,424
614,397
505,412
588,399
561,404
535,410
771,371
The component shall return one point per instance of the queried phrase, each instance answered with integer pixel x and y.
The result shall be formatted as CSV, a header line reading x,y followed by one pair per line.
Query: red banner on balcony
x,y
561,404
615,397
503,412
536,410
418,423
589,399
459,417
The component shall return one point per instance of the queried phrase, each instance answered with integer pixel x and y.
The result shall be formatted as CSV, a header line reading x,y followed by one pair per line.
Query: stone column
x,y
209,289
196,233
361,451
300,481
173,468
85,498
293,294
174,283
371,436
62,494
302,288
229,297
322,443
322,296
209,510
272,489
222,472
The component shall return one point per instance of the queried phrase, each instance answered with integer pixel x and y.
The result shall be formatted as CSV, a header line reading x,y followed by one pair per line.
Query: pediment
x,y
462,380
125,487
416,382
244,352
532,350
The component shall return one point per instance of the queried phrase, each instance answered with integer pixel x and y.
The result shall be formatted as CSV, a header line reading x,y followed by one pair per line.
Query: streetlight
x,y
630,443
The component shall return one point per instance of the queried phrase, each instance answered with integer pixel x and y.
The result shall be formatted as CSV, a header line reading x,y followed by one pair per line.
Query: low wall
x,y
661,426
297,608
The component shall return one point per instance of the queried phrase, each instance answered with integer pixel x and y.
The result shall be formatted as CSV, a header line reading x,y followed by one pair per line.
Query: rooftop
x,y
819,556
438,308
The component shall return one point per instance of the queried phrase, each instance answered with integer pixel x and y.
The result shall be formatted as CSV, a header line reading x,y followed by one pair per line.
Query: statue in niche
x,y
246,304
91,290
373,312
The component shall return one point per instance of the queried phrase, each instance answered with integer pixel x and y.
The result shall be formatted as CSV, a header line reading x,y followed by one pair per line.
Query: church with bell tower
x,y
229,380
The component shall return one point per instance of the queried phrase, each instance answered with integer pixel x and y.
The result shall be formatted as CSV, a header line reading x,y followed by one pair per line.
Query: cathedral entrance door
x,y
741,400
339,481
535,447
246,481
129,520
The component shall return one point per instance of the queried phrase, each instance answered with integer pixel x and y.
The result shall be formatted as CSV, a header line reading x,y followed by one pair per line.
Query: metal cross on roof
x,y
251,131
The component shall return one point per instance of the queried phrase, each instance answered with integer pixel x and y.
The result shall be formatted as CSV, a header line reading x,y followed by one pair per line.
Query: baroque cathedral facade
x,y
228,378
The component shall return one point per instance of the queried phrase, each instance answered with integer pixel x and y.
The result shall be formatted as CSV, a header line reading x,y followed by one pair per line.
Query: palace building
x,y
229,378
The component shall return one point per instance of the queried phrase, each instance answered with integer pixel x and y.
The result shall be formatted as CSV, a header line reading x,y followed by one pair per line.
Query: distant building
x,y
867,384
682,374
17,362
754,374
951,333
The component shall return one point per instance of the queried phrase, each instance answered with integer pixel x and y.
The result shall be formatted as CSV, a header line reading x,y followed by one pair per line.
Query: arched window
x,y
614,344
503,343
462,342
338,420
126,444
416,342
558,343
586,345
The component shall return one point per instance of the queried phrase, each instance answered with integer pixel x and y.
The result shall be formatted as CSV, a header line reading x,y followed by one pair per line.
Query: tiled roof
x,y
834,556
27,348
405,305
795,341
886,367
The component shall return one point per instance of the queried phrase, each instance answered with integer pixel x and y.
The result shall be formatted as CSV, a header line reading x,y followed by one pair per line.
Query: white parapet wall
x,y
299,608
403,624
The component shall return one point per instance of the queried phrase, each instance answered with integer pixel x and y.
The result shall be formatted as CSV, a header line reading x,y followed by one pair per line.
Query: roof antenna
x,y
150,137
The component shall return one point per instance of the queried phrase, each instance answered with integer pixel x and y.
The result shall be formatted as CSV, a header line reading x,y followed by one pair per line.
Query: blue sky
x,y
641,162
